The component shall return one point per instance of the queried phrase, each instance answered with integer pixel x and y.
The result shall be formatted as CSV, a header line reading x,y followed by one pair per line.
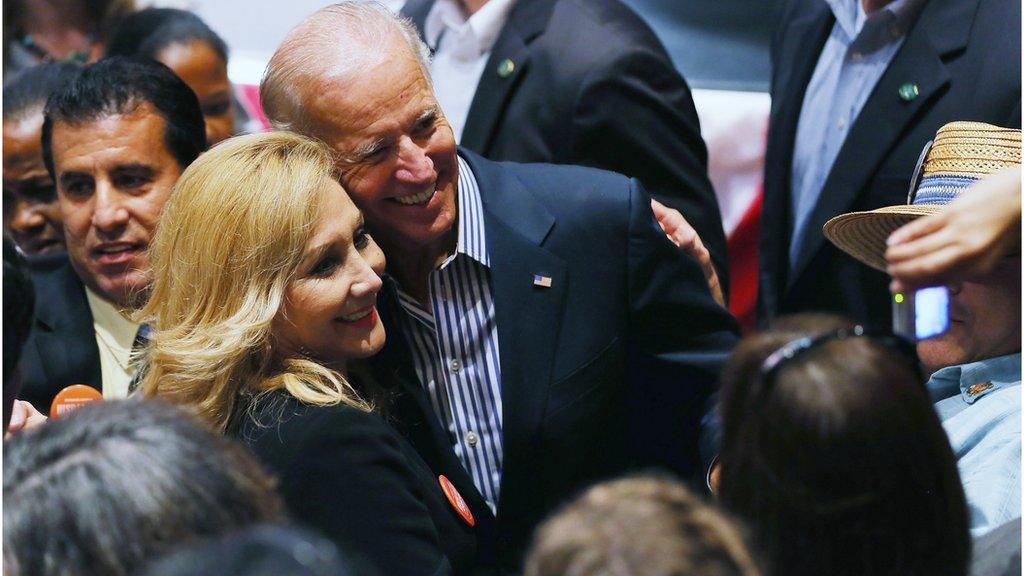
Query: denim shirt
x,y
980,408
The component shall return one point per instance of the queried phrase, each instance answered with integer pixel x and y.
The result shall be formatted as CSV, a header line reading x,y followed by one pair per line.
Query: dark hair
x,y
842,466
147,32
27,92
263,551
115,484
19,305
639,526
104,14
119,85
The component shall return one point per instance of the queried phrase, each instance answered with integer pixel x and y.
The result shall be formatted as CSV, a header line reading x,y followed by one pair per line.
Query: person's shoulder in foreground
x,y
980,407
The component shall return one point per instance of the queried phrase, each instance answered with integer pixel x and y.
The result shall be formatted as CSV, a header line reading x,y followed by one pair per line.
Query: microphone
x,y
72,398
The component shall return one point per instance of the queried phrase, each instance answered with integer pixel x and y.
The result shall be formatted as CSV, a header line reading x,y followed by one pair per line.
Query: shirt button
x,y
841,123
455,365
472,438
857,56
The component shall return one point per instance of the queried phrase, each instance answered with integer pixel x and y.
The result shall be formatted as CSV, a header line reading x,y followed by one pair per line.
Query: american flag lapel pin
x,y
542,281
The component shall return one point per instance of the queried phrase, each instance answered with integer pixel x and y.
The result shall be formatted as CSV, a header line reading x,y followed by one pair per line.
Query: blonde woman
x,y
264,293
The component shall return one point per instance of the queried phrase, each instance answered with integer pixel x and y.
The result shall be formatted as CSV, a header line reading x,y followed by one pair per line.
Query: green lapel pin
x,y
908,91
506,67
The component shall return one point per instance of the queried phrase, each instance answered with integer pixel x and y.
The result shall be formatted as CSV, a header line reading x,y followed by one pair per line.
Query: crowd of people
x,y
462,310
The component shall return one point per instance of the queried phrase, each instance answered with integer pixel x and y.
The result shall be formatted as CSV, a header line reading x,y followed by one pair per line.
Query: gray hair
x,y
334,41
116,484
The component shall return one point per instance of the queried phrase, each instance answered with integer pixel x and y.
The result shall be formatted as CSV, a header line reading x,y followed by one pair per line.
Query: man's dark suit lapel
x,y
526,21
64,333
417,10
528,316
944,28
804,39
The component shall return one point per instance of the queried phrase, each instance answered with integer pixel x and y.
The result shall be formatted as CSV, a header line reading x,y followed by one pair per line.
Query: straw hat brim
x,y
863,234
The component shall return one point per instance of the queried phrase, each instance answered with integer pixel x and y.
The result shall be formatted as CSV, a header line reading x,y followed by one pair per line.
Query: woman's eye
x,y
361,238
324,267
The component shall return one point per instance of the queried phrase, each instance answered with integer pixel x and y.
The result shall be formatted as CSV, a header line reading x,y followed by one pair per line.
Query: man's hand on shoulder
x,y
682,234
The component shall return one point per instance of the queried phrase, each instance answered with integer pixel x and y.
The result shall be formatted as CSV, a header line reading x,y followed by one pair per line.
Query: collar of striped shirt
x,y
472,240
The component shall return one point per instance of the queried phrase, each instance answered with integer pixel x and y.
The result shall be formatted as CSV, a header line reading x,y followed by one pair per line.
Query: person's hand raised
x,y
24,416
967,239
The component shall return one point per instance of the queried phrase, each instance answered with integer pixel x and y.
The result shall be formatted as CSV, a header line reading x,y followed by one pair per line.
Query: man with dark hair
x,y
115,141
31,214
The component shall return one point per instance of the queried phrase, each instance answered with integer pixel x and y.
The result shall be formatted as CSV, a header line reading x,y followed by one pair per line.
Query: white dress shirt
x,y
461,48
115,335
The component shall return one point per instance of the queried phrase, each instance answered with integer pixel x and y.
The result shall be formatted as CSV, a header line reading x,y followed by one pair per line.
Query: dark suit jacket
x,y
964,56
607,369
349,475
61,348
593,86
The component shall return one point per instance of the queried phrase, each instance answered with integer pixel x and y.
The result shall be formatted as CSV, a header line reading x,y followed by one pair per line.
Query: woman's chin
x,y
368,346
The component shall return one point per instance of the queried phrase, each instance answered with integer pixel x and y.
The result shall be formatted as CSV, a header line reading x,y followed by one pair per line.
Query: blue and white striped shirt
x,y
454,345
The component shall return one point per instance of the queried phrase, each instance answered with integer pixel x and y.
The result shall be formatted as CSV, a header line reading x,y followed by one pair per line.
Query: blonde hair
x,y
639,526
230,240
335,41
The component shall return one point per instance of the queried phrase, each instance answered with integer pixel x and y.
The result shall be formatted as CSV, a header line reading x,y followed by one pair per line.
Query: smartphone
x,y
922,314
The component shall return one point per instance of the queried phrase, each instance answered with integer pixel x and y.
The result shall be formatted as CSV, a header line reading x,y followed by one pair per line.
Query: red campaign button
x,y
72,398
455,499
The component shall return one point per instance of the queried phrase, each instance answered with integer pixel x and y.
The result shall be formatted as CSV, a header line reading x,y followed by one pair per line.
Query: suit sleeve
x,y
635,115
350,480
679,340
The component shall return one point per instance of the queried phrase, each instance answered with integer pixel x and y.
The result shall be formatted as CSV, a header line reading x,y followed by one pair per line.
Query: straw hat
x,y
961,154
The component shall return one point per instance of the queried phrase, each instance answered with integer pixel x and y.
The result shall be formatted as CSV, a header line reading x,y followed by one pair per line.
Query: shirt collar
x,y
472,241
976,379
897,16
483,26
107,317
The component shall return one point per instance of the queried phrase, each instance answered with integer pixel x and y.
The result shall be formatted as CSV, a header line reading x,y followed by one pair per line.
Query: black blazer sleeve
x,y
680,338
344,473
635,115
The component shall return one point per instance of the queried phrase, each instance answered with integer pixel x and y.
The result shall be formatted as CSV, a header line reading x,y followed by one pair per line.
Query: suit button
x,y
502,544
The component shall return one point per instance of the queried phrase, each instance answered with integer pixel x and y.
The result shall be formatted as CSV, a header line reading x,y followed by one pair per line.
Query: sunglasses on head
x,y
795,348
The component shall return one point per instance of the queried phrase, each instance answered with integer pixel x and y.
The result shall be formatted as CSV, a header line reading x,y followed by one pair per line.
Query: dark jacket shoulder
x,y
347,473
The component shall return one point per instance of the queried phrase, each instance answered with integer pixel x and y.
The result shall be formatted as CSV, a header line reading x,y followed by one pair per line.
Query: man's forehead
x,y
137,132
378,88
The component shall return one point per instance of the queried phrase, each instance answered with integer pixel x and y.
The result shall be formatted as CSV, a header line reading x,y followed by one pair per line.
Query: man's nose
x,y
109,210
414,166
